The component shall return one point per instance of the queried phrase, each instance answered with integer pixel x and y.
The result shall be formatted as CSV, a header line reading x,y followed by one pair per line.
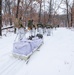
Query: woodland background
x,y
52,12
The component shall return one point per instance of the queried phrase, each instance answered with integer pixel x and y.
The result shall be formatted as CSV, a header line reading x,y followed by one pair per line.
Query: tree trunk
x,y
17,9
71,17
31,10
44,13
17,13
50,9
39,21
10,19
67,13
0,17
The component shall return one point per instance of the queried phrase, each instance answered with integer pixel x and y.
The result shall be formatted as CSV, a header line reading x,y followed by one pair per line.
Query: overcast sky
x,y
59,3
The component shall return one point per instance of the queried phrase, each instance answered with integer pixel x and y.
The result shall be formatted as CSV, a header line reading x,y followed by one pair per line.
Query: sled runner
x,y
25,48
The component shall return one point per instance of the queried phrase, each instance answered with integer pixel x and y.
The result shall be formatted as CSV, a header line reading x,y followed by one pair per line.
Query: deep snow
x,y
56,55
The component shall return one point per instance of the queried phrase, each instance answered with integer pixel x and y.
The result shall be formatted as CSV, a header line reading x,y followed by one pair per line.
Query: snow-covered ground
x,y
56,55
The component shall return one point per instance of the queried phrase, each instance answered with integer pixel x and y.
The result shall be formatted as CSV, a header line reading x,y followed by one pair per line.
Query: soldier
x,y
40,28
20,28
48,30
33,30
44,29
31,27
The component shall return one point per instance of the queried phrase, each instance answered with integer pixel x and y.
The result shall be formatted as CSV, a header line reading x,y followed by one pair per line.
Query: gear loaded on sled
x,y
25,48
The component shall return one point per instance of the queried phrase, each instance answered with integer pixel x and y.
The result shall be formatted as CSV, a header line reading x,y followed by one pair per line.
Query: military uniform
x,y
21,30
40,28
32,28
48,30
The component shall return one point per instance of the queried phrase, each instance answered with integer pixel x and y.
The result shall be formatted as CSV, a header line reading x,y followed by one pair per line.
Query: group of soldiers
x,y
33,29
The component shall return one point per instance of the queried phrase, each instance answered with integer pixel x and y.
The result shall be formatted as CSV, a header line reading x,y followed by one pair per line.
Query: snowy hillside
x,y
56,55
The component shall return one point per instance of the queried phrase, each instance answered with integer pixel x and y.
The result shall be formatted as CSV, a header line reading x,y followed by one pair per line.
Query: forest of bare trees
x,y
41,11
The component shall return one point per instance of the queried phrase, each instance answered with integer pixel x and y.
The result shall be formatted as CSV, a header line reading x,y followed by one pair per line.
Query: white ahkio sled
x,y
25,48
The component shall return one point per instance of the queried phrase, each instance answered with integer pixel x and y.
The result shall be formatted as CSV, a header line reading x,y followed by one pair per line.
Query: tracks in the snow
x,y
9,65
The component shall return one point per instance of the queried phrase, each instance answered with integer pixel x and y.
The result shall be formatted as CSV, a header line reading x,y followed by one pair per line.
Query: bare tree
x,y
72,14
0,17
67,13
50,12
17,13
44,13
40,4
17,8
31,9
9,10
4,6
